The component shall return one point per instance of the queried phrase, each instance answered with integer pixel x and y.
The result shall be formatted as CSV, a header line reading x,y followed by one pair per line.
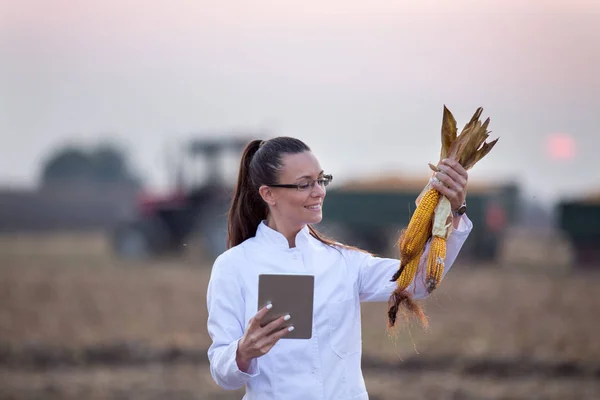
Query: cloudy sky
x,y
363,83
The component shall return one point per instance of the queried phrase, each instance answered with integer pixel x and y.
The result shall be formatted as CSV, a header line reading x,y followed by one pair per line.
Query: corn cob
x,y
410,270
435,263
432,218
419,227
412,241
442,227
419,230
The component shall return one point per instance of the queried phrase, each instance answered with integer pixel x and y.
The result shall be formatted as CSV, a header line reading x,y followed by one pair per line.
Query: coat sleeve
x,y
226,316
375,273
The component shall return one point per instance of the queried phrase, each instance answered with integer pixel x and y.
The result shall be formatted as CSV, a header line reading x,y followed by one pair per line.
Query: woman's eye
x,y
304,185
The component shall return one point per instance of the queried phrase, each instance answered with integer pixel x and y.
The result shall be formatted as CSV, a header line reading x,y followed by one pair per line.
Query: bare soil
x,y
78,324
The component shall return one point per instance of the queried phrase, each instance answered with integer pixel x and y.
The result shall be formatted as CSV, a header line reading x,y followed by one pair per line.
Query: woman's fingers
x,y
267,343
455,166
280,333
453,178
451,194
255,322
275,324
451,181
257,332
258,341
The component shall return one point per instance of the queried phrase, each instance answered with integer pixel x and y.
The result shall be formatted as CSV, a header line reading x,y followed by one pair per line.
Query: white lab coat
x,y
327,366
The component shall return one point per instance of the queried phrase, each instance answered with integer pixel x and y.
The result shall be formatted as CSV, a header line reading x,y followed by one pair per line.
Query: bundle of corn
x,y
432,219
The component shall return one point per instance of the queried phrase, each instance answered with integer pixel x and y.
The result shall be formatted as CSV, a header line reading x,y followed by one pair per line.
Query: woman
x,y
279,194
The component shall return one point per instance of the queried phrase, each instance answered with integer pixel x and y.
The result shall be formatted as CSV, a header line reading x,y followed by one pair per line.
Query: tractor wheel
x,y
140,240
211,229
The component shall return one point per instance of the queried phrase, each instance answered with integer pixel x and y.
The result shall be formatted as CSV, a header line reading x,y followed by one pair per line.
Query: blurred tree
x,y
106,163
110,165
68,164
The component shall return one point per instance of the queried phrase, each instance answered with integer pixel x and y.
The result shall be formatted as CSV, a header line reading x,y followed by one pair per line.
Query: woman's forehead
x,y
296,166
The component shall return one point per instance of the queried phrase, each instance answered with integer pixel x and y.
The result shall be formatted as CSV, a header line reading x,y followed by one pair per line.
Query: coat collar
x,y
269,235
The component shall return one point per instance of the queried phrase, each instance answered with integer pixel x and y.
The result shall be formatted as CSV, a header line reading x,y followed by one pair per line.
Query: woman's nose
x,y
318,190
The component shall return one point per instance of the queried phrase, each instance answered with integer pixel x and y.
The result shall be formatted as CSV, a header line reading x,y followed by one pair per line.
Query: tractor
x,y
195,209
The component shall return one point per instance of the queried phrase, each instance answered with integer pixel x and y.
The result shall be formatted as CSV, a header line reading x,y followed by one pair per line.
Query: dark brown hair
x,y
260,165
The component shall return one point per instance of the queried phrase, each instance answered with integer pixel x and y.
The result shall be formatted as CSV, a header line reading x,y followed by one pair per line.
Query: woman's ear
x,y
267,195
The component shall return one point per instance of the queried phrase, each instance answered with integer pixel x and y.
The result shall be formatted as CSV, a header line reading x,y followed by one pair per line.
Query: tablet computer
x,y
289,294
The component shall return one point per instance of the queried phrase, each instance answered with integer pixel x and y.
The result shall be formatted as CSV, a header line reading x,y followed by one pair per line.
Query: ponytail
x,y
247,207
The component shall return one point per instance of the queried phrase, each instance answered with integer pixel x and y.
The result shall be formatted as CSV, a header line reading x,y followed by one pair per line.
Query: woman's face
x,y
299,207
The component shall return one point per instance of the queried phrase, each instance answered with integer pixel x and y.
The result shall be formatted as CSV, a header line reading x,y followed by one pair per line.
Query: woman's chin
x,y
316,218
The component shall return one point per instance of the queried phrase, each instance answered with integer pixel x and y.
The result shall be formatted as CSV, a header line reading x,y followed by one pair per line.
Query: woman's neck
x,y
287,231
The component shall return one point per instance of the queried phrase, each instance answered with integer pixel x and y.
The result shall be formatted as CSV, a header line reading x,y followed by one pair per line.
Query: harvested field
x,y
78,327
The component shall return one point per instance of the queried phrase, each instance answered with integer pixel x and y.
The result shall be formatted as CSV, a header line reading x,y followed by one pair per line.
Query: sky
x,y
363,83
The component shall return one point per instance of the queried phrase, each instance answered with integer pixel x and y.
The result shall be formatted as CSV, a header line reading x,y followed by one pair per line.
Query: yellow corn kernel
x,y
435,263
408,273
418,231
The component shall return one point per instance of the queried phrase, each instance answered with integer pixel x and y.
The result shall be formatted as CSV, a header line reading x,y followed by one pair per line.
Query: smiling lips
x,y
315,207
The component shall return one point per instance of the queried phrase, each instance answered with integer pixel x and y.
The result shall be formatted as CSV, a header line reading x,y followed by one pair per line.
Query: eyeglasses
x,y
307,184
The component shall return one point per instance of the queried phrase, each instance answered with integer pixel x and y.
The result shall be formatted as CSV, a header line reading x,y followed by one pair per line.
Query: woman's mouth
x,y
315,207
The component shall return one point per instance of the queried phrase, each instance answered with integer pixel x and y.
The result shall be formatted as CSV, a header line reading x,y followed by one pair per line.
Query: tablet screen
x,y
289,294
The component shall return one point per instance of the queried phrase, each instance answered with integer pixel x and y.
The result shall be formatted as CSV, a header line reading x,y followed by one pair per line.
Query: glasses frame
x,y
323,182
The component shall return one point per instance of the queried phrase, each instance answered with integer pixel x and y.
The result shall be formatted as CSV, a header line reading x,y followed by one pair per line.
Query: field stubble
x,y
75,323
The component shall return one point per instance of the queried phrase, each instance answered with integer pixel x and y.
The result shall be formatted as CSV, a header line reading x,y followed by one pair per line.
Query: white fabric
x,y
327,366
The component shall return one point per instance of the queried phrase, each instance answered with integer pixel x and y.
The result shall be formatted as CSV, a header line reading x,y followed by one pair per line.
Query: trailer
x,y
579,221
373,219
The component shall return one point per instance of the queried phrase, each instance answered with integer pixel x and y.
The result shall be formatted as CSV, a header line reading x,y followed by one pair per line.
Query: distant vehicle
x,y
373,217
195,208
579,220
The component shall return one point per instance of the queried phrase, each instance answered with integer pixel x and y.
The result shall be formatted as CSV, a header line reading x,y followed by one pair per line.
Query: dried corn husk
x,y
467,148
